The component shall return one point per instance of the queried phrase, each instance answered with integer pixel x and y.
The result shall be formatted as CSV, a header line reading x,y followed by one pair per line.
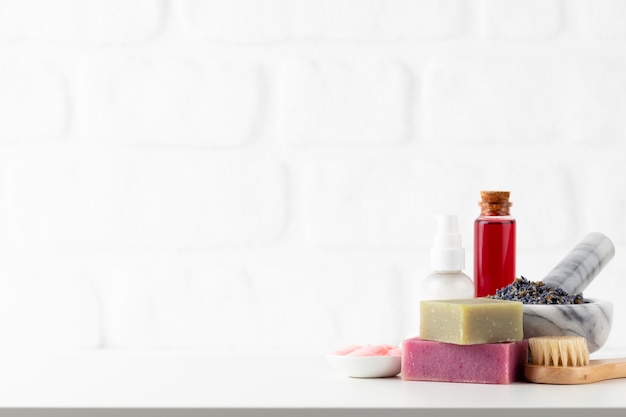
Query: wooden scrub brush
x,y
565,360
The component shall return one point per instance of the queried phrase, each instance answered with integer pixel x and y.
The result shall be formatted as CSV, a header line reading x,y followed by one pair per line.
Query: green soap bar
x,y
471,321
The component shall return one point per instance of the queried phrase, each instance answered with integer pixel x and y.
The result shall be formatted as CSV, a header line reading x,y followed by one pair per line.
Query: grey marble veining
x,y
592,320
582,264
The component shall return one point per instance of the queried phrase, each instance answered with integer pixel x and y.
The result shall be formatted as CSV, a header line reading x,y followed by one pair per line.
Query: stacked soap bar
x,y
471,321
476,340
491,363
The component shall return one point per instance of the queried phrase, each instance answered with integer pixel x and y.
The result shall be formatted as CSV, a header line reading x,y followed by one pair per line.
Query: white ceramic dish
x,y
366,366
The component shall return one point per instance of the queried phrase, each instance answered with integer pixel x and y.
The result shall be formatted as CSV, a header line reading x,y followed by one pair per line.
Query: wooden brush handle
x,y
597,370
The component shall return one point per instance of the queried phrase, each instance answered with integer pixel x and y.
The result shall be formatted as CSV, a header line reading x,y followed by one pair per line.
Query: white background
x,y
263,175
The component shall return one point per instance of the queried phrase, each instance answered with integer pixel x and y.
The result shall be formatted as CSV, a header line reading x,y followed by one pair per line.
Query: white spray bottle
x,y
447,260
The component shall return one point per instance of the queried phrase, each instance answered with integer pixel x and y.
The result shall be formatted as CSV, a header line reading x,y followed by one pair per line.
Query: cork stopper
x,y
495,203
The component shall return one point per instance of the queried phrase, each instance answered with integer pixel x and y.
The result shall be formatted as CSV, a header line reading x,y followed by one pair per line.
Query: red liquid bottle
x,y
494,244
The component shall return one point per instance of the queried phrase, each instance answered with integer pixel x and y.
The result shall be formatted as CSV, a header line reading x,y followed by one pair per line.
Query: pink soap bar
x,y
490,363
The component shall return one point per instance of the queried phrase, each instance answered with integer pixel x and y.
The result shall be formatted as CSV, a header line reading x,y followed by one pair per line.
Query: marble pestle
x,y
581,265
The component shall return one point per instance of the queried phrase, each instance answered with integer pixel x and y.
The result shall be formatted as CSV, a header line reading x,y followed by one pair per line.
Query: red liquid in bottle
x,y
494,244
494,259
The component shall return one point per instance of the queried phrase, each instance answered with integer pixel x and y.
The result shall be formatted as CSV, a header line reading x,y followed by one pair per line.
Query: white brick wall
x,y
30,88
81,21
172,101
602,19
262,175
344,103
532,20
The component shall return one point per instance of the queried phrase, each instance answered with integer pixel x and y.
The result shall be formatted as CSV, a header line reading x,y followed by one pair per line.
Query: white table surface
x,y
200,380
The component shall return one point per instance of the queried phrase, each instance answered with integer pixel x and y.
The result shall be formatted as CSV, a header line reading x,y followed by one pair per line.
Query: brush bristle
x,y
559,351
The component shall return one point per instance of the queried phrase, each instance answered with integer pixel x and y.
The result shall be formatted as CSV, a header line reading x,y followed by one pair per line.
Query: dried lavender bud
x,y
529,292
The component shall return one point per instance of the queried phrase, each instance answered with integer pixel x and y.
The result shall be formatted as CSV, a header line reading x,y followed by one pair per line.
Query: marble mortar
x,y
593,318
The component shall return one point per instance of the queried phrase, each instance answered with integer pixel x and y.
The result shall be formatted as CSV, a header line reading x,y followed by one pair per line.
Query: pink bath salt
x,y
394,352
370,350
490,363
346,350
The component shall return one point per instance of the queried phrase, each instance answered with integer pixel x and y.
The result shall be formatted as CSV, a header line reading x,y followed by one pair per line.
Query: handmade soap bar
x,y
471,321
491,363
